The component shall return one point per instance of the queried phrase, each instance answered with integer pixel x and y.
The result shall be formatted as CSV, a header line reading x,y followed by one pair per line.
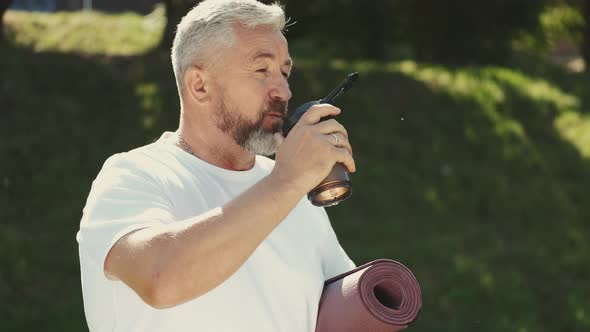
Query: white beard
x,y
261,142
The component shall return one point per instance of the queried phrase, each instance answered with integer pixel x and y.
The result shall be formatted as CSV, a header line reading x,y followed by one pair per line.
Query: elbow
x,y
159,294
155,300
162,292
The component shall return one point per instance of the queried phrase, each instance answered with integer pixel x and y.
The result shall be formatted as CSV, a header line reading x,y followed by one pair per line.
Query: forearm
x,y
184,260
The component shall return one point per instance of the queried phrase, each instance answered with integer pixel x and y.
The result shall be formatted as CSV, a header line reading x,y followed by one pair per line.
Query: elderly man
x,y
199,231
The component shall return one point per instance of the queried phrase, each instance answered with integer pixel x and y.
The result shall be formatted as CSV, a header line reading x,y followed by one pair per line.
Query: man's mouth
x,y
275,115
272,121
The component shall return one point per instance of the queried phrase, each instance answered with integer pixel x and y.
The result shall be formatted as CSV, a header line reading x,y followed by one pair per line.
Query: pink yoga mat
x,y
382,295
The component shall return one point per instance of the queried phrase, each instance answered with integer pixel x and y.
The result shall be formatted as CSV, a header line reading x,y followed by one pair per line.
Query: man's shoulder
x,y
137,158
157,159
149,163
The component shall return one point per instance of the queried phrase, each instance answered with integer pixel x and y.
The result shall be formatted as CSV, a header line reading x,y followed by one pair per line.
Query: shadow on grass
x,y
486,202
61,116
483,200
540,66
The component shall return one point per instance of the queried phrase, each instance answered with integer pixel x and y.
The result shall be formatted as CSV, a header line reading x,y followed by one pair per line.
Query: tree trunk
x,y
168,36
175,10
4,4
586,42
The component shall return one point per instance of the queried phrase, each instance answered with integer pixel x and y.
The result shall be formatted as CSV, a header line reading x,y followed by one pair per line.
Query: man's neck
x,y
215,147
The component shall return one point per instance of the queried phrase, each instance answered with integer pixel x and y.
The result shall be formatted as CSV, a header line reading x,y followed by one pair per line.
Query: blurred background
x,y
470,125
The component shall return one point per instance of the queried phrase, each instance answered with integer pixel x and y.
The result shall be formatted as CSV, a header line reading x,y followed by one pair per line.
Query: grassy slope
x,y
476,178
87,32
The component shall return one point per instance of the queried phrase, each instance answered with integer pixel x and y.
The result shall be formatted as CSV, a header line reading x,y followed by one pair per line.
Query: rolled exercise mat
x,y
382,295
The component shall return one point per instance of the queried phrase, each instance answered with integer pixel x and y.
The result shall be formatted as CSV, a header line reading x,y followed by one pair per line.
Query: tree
x,y
4,4
175,10
464,31
586,34
350,29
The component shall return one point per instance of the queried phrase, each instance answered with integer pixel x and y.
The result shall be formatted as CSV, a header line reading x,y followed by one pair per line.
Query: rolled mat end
x,y
382,295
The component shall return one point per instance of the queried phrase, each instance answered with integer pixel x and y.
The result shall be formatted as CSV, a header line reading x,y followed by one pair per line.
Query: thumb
x,y
279,138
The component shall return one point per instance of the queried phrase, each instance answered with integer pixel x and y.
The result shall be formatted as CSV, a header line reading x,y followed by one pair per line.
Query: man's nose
x,y
280,89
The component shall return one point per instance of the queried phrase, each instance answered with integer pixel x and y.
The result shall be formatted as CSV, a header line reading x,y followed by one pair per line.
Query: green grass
x,y
476,178
88,32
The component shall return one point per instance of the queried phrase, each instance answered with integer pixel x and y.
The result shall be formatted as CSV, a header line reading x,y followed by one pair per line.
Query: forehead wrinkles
x,y
252,42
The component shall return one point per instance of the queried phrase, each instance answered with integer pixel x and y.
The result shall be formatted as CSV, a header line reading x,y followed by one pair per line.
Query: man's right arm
x,y
170,264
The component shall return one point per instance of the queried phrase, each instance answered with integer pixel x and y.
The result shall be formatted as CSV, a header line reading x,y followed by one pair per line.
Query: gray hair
x,y
208,27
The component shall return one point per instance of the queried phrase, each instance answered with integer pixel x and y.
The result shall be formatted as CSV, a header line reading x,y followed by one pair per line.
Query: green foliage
x,y
333,28
467,31
474,177
558,23
562,21
456,32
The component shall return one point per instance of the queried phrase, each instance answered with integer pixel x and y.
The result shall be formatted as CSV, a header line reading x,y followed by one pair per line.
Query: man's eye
x,y
262,70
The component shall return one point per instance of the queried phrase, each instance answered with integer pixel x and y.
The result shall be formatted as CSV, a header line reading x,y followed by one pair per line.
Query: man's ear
x,y
196,84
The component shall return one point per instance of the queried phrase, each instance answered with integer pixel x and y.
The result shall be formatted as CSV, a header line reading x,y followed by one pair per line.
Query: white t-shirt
x,y
277,289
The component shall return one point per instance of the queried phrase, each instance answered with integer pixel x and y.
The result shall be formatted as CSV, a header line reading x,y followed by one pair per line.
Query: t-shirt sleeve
x,y
335,259
123,199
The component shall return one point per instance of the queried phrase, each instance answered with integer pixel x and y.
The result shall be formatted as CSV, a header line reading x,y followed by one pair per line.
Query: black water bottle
x,y
337,186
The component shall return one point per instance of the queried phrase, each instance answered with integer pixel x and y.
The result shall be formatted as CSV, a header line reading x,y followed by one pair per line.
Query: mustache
x,y
277,106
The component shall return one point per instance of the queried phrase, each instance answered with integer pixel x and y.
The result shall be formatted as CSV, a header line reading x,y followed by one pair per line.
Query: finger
x,y
279,138
331,126
344,143
317,112
343,156
341,142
